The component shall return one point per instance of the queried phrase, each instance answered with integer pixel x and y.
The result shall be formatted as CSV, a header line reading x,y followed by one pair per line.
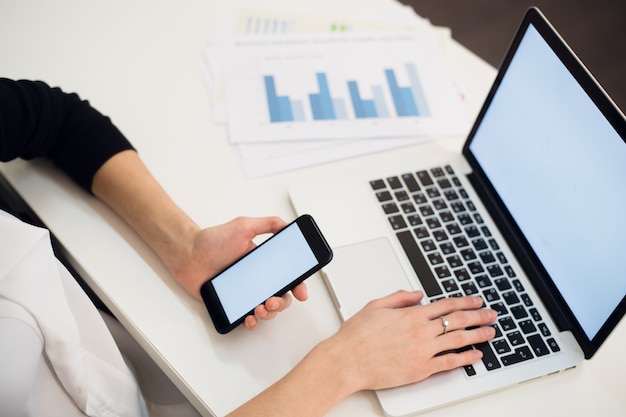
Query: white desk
x,y
140,63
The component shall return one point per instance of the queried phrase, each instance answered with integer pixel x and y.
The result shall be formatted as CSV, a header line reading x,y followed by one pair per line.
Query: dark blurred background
x,y
595,30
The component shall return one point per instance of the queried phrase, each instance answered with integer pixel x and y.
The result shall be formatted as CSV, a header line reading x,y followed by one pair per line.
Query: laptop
x,y
530,216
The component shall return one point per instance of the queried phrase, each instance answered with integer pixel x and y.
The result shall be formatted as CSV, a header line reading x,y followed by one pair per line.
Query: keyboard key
x,y
519,312
457,207
465,219
426,211
507,324
447,248
454,261
491,295
394,183
472,231
442,271
554,347
453,229
469,288
450,195
503,284
435,258
518,285
462,274
446,217
489,358
377,184
397,222
449,170
437,172
538,345
475,267
389,208
515,338
439,204
407,208
419,198
527,326
421,232
487,257
544,329
479,244
494,271
450,285
411,182
494,245
460,241
534,313
421,268
383,196
428,245
499,308
510,297
526,299
483,281
433,222
501,346
433,192
509,271
424,178
401,195
468,254
414,219
522,354
444,183
502,258
486,231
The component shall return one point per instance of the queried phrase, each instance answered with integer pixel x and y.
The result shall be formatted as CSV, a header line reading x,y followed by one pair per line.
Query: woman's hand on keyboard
x,y
393,341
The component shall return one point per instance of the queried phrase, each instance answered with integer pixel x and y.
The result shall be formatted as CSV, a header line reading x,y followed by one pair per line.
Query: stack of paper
x,y
302,90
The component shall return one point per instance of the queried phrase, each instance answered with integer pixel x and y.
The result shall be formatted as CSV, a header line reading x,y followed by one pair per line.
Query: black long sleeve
x,y
39,121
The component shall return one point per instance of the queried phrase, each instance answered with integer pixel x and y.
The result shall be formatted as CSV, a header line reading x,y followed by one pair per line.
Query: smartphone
x,y
271,269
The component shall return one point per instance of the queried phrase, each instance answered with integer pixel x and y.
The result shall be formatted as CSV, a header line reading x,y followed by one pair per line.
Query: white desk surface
x,y
140,63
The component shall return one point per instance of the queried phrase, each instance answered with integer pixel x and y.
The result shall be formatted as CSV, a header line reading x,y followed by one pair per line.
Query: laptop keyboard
x,y
454,253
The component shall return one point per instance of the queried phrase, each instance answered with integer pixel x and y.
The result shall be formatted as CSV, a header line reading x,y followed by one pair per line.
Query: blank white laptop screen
x,y
554,159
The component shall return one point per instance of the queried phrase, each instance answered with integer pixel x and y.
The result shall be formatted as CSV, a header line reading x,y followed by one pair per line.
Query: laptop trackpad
x,y
362,272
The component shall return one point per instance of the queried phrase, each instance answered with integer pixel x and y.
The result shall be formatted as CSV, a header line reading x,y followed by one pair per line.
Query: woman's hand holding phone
x,y
214,248
250,286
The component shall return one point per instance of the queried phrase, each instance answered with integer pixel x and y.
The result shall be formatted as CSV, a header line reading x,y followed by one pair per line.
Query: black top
x,y
39,121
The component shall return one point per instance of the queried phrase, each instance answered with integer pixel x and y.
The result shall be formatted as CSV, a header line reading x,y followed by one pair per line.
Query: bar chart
x,y
342,86
408,101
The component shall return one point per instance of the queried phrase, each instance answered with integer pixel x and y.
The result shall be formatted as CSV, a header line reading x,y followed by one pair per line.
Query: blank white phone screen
x,y
263,272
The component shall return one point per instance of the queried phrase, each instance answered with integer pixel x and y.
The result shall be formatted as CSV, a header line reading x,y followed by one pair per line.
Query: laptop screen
x,y
559,167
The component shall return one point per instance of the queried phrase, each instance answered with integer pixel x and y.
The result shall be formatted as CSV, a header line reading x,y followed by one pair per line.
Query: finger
x,y
462,338
470,318
450,361
262,225
300,292
399,299
451,304
277,304
250,323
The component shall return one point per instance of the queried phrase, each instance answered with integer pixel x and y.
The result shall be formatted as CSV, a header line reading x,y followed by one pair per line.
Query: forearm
x,y
316,384
125,184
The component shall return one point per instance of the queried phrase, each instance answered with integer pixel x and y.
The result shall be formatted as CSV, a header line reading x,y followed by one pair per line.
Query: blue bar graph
x,y
362,108
408,100
402,96
322,103
279,106
418,92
